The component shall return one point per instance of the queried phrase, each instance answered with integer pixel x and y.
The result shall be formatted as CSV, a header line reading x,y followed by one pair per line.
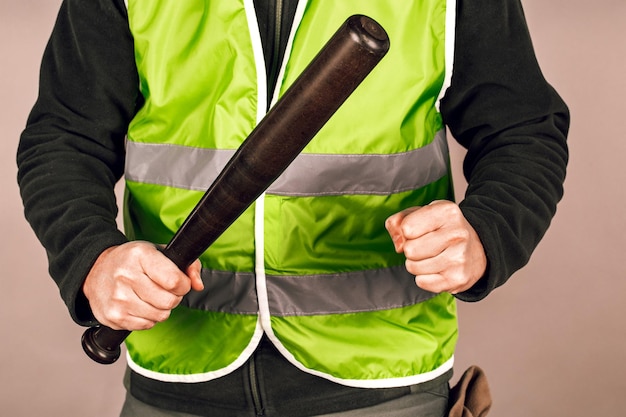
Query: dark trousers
x,y
268,385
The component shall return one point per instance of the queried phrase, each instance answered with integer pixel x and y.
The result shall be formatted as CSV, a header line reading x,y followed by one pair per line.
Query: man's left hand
x,y
442,249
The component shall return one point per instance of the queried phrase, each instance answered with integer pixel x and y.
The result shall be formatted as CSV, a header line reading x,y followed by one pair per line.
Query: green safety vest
x,y
310,263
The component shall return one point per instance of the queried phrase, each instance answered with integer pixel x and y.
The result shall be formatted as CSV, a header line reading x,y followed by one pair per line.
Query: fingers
x,y
394,227
161,270
442,249
450,271
153,295
430,218
134,286
128,311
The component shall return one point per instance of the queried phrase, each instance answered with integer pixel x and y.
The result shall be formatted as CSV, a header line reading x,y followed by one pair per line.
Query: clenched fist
x,y
133,286
442,249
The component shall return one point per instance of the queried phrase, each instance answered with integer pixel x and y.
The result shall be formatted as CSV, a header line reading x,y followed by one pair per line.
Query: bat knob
x,y
101,353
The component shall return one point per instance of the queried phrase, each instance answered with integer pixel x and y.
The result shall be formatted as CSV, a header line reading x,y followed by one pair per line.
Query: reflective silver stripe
x,y
309,175
314,174
360,291
227,292
173,165
371,290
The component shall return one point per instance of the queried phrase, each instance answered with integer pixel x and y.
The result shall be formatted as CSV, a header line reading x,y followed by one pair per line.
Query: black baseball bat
x,y
335,72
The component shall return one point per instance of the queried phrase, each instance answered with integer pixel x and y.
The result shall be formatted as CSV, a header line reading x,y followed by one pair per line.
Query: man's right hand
x,y
133,286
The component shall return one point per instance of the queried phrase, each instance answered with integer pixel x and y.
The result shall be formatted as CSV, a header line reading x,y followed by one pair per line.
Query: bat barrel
x,y
318,92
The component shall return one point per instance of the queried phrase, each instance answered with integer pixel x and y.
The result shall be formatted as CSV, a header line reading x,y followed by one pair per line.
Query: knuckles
x,y
176,283
171,302
162,315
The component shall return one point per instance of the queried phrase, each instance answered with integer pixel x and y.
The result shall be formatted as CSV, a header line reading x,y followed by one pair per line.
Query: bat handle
x,y
321,88
102,344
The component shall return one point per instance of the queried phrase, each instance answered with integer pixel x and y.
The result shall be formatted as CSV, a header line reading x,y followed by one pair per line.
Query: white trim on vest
x,y
449,48
259,58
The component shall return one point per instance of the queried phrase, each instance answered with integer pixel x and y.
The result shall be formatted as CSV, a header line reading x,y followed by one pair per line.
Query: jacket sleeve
x,y
514,127
71,153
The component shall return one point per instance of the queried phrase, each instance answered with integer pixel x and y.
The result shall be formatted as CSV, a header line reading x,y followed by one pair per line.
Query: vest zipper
x,y
275,64
271,78
255,391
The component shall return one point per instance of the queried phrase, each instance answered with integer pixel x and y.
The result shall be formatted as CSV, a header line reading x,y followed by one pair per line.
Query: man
x,y
329,298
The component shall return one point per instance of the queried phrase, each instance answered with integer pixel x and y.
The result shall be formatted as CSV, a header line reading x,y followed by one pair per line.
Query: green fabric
x,y
214,106
169,207
387,341
199,91
363,124
325,235
191,342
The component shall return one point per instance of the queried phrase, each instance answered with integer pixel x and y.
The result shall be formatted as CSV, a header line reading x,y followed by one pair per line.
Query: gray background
x,y
552,341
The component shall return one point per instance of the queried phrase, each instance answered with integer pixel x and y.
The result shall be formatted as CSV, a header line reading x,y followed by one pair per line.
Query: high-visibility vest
x,y
310,263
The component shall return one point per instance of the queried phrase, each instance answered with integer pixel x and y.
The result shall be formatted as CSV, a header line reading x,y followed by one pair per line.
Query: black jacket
x,y
499,107
71,154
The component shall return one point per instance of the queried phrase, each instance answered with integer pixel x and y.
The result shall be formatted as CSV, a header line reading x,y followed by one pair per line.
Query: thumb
x,y
194,274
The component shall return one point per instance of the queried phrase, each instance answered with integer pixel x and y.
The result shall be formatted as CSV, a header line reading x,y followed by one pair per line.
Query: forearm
x,y
510,201
71,153
514,127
